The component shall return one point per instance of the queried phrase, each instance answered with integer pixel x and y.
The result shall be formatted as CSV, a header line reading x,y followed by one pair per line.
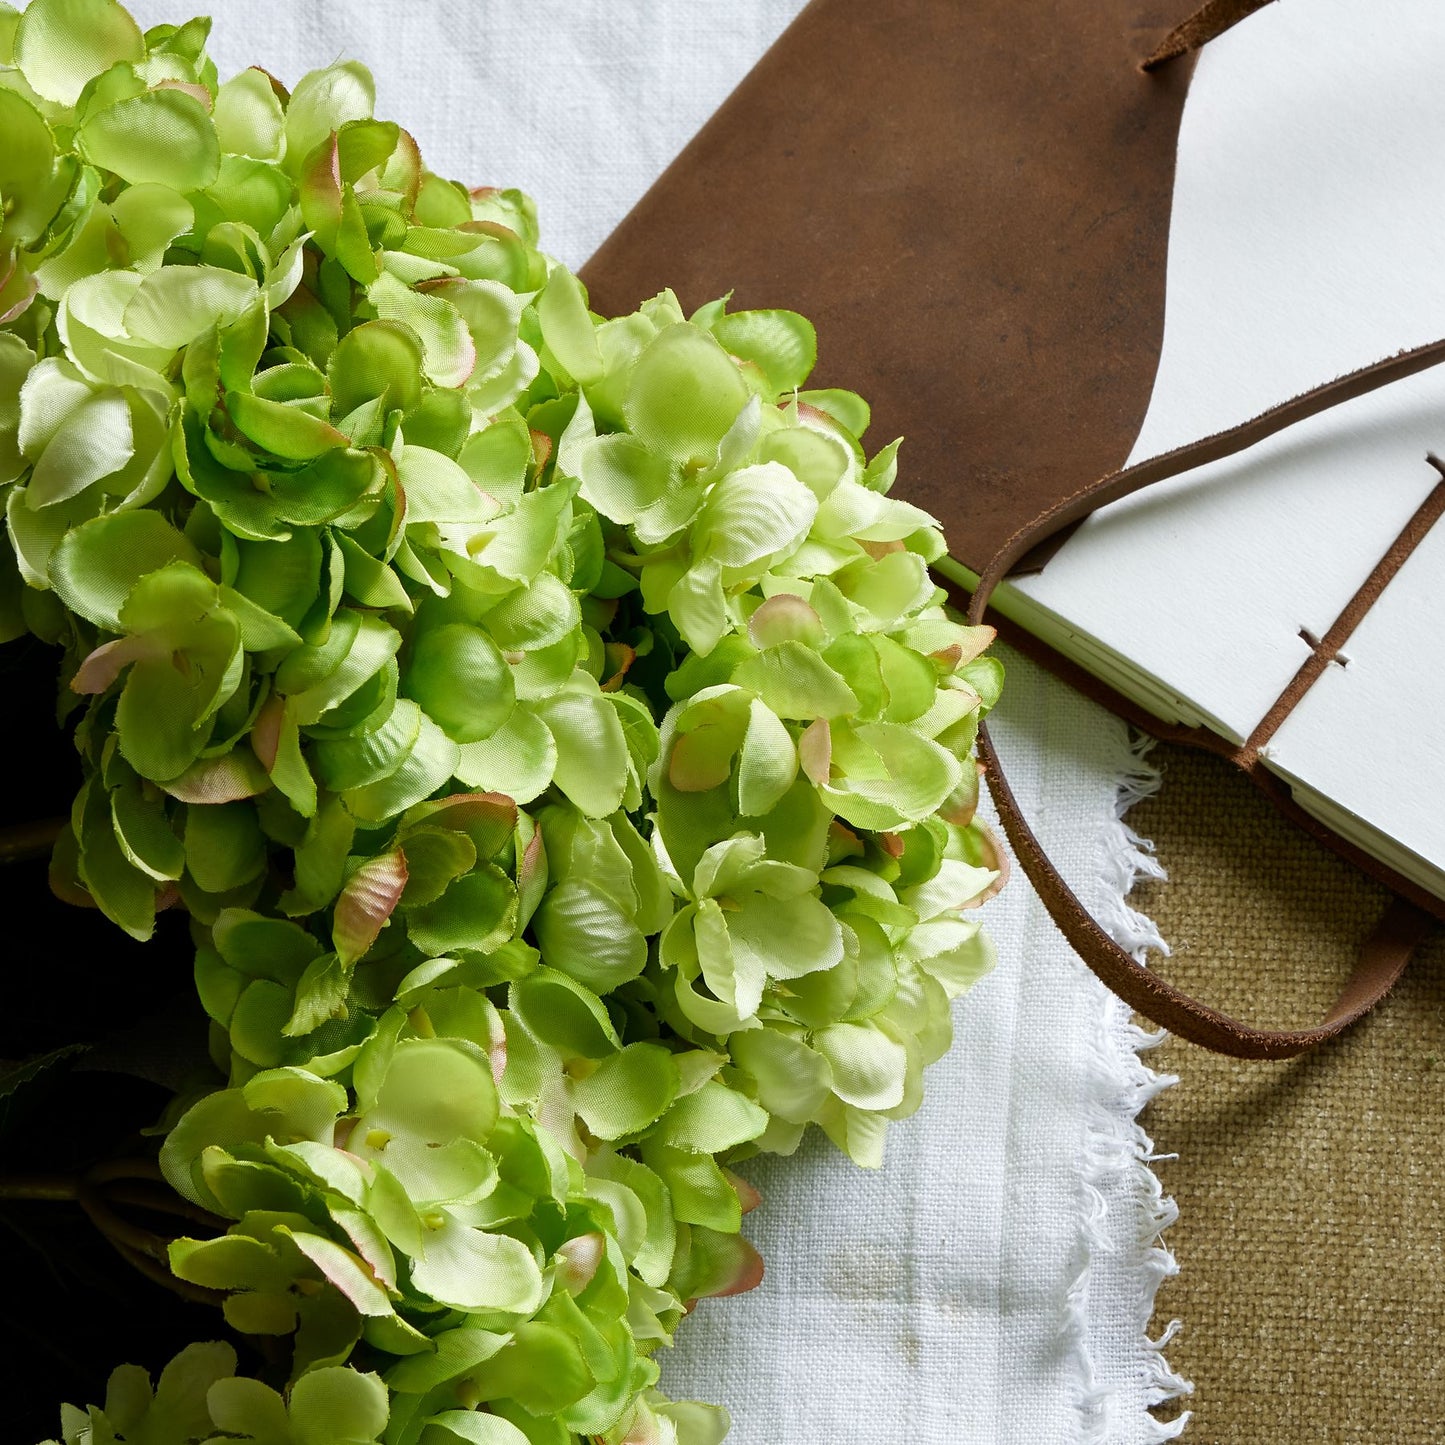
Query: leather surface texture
x,y
971,202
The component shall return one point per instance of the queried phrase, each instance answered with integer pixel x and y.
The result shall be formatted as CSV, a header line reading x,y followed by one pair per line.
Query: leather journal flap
x,y
972,204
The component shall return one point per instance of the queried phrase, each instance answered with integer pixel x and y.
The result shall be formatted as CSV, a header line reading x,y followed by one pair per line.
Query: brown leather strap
x,y
1386,952
1212,19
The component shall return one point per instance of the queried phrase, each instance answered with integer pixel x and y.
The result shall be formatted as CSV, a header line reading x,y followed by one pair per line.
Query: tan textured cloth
x,y
1311,1237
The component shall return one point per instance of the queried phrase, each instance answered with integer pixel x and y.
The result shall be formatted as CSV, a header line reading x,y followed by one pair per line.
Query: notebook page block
x,y
1305,241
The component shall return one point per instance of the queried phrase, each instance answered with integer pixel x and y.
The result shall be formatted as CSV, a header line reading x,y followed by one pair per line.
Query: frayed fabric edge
x,y
1116,1153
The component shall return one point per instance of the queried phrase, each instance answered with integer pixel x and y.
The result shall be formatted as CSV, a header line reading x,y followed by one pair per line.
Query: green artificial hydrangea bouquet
x,y
547,723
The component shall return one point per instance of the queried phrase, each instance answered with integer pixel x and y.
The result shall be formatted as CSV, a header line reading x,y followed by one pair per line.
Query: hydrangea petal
x,y
176,304
28,178
585,933
450,354
248,116
628,1091
366,903
459,677
592,757
535,617
477,912
711,1120
519,759
683,394
164,136
439,490
564,1015
344,1270
248,1408
94,441
471,1269
917,776
789,937
868,1067
474,1429
768,762
621,477
430,761
782,344
335,1403
695,1423
96,565
754,513
323,101
60,45
792,1080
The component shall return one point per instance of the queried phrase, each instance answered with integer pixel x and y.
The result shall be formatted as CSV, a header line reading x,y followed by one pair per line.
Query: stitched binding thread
x,y
1328,648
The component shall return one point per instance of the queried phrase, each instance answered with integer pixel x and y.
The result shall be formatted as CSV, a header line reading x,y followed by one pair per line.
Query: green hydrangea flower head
x,y
548,723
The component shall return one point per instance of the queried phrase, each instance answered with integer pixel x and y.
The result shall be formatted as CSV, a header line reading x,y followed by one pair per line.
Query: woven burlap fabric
x,y
1311,1237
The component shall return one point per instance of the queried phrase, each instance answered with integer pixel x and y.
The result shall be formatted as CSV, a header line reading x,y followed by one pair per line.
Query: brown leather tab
x,y
1211,20
1388,949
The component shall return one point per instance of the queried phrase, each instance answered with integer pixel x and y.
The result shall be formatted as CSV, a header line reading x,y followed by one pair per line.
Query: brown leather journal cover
x,y
971,201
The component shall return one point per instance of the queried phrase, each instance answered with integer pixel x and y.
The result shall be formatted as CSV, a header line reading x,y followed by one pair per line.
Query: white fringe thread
x,y
1116,1154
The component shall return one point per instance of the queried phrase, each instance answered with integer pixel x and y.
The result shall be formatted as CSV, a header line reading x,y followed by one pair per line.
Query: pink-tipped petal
x,y
578,1259
488,819
497,1033
785,617
198,93
961,804
533,860
815,751
619,657
17,296
749,1196
697,764
226,779
366,903
266,731
104,665
995,857
749,1273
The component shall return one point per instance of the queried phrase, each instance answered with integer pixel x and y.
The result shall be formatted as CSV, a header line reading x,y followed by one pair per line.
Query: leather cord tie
x,y
1388,949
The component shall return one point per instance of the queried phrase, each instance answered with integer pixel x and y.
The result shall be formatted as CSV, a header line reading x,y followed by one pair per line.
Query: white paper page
x,y
1307,239
1368,736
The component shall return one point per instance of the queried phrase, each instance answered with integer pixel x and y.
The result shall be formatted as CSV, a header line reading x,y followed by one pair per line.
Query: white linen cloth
x,y
992,1283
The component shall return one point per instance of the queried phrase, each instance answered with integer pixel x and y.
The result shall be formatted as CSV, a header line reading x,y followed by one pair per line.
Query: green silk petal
x,y
161,136
62,44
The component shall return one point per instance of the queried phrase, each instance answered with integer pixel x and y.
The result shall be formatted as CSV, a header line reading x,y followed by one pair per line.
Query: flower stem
x,y
127,1182
38,1186
22,841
